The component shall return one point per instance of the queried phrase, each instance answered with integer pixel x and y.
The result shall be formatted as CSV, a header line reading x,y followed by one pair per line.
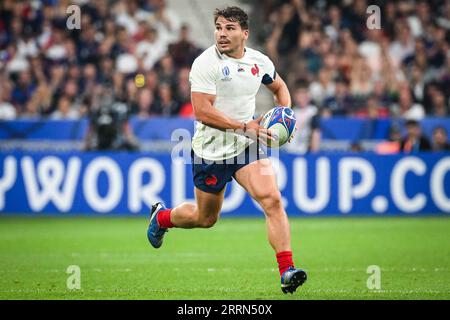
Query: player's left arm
x,y
280,91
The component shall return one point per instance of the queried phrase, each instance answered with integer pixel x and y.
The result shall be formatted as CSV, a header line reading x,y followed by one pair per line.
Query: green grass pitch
x,y
233,260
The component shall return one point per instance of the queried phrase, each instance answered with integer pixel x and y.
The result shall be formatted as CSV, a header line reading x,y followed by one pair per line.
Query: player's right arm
x,y
204,111
202,103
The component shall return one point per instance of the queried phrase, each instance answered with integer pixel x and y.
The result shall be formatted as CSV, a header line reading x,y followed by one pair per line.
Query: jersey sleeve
x,y
269,71
203,77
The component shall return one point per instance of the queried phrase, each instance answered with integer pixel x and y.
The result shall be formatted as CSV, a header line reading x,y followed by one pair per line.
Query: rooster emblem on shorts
x,y
211,180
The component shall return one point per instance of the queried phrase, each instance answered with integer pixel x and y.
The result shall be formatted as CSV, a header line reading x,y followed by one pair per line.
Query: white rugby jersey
x,y
235,83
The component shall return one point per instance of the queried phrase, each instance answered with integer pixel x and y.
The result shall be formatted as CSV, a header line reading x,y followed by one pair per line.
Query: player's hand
x,y
256,131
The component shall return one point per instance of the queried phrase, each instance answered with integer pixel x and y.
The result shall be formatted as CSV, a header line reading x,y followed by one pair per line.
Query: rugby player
x,y
225,79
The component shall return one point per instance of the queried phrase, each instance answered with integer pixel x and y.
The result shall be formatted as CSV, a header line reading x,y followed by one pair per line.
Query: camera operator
x,y
108,124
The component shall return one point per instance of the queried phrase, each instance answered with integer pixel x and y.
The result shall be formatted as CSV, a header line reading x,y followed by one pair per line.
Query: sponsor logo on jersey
x,y
240,69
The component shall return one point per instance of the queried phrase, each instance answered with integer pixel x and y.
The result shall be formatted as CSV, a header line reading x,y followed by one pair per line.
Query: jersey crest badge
x,y
255,70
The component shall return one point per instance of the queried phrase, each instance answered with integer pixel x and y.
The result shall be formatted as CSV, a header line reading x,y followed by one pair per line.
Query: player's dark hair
x,y
234,14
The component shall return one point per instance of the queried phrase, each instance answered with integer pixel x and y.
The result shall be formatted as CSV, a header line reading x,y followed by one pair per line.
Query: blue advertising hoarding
x,y
336,128
66,183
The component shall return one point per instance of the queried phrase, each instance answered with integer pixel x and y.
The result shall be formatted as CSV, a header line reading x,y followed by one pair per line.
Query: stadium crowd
x,y
49,71
400,70
336,66
333,64
331,60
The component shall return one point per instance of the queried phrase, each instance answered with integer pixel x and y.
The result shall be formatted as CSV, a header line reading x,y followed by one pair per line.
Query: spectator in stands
x,y
323,88
65,110
417,82
165,104
118,44
106,71
145,103
361,82
439,107
307,139
392,144
382,96
333,22
70,90
341,103
406,108
286,27
131,95
166,70
42,103
88,46
414,141
420,19
371,49
183,88
151,80
151,48
7,110
440,140
166,21
129,15
443,74
90,78
184,51
372,109
184,94
403,46
23,89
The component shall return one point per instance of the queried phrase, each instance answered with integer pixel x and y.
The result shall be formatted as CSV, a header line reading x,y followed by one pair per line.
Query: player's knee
x,y
208,222
271,201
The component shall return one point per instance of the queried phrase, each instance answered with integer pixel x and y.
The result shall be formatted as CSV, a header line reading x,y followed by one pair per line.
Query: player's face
x,y
230,36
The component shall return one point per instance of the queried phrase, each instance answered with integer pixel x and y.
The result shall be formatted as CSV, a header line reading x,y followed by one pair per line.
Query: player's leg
x,y
210,180
203,214
259,179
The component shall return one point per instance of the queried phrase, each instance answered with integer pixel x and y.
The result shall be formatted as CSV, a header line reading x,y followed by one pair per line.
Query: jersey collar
x,y
223,56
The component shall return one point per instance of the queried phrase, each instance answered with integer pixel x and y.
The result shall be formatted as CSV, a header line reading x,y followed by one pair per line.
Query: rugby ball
x,y
281,121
